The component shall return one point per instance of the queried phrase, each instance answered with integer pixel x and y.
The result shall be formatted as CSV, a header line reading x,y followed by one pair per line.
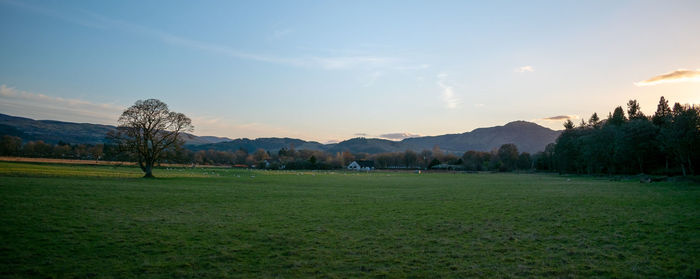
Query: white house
x,y
361,165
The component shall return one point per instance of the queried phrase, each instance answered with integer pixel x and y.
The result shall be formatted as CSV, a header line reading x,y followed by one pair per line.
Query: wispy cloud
x,y
40,106
95,20
208,125
448,96
680,75
371,78
412,67
555,122
525,69
398,136
560,117
312,61
280,33
391,136
345,62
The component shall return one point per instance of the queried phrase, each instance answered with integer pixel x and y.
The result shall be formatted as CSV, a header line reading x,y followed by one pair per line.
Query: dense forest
x,y
666,142
624,143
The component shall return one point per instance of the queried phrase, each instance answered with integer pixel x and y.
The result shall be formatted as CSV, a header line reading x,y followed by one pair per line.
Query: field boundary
x,y
91,162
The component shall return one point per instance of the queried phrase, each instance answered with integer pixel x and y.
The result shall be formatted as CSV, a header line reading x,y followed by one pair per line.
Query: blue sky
x,y
333,70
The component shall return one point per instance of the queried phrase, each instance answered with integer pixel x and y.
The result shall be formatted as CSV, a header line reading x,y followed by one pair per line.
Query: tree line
x,y
14,146
667,142
627,142
149,133
505,158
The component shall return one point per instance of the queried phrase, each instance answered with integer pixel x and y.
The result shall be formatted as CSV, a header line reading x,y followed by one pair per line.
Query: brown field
x,y
87,162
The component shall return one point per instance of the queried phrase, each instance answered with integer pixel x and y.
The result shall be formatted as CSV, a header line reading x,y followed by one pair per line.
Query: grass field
x,y
105,221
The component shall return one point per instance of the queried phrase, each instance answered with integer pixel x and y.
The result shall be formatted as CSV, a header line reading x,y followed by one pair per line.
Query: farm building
x,y
361,165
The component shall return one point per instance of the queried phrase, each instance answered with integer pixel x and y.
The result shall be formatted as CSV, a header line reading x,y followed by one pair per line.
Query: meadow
x,y
107,222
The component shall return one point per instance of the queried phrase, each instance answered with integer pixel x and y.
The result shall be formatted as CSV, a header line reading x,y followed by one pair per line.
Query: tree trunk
x,y
148,169
690,166
141,165
683,168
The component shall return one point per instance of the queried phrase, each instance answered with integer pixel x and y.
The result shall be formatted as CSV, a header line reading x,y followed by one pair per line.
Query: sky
x,y
333,70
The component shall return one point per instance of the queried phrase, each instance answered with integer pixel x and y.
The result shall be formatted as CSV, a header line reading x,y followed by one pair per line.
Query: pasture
x,y
106,221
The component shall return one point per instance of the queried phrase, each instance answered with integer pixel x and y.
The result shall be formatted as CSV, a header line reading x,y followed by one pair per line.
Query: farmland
x,y
105,221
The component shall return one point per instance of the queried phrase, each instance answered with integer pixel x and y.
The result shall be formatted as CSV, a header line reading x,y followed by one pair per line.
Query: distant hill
x,y
529,137
251,145
365,145
52,131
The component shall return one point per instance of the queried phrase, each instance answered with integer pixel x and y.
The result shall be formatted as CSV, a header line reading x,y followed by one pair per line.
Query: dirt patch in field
x,y
87,162
64,161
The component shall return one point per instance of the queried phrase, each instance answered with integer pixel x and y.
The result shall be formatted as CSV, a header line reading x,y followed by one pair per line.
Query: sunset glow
x,y
308,70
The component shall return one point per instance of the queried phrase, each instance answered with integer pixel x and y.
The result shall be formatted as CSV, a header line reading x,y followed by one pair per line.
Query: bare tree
x,y
148,128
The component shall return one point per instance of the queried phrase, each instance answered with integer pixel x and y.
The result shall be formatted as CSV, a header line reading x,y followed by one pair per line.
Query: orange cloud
x,y
525,69
675,76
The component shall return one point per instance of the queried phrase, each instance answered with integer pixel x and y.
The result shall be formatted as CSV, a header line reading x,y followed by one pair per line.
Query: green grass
x,y
102,221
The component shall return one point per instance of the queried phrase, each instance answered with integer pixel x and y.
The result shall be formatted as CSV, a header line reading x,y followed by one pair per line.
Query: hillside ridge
x,y
529,137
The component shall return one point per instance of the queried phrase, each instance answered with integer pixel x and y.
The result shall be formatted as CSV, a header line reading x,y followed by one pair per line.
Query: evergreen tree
x,y
662,117
634,111
618,117
669,141
594,121
568,124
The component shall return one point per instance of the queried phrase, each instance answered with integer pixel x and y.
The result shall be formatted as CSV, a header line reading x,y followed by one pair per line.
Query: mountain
x,y
52,131
529,137
272,144
191,139
371,146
